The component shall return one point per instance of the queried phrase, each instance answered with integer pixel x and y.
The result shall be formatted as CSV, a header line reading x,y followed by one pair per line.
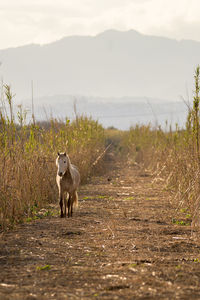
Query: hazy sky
x,y
42,21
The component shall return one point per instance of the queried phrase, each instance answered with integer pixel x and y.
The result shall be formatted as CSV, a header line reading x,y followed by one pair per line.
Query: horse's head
x,y
62,162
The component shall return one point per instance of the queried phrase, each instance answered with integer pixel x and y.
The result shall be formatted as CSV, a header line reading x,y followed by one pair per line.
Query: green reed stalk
x,y
196,111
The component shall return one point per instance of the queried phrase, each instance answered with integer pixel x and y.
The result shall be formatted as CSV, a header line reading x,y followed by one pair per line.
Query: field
x,y
135,234
122,243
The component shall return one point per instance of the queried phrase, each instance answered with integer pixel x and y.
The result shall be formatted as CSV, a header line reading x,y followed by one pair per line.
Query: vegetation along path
x,y
120,244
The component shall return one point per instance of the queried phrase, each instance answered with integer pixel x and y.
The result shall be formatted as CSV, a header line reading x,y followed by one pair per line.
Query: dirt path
x,y
120,244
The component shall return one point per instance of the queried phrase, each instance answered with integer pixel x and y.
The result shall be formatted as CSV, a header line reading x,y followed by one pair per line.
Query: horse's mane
x,y
70,168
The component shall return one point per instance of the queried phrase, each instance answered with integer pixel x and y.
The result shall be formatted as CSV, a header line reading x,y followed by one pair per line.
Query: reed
x,y
28,152
173,156
27,158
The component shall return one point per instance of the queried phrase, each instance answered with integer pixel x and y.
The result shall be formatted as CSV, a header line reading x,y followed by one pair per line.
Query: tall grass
x,y
185,160
28,152
174,156
27,158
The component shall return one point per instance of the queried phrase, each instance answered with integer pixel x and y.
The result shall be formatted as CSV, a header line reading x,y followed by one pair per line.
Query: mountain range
x,y
110,65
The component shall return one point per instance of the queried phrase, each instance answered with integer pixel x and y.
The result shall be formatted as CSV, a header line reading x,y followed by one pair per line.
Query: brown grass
x,y
27,160
28,152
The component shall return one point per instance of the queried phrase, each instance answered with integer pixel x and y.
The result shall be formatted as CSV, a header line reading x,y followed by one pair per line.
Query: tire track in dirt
x,y
120,244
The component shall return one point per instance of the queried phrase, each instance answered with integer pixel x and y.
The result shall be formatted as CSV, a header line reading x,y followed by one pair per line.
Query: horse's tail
x,y
75,202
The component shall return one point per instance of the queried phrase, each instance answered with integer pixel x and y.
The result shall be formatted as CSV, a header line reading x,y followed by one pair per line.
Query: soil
x,y
120,244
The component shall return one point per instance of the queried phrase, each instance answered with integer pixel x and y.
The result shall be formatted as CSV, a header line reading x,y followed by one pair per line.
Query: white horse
x,y
68,179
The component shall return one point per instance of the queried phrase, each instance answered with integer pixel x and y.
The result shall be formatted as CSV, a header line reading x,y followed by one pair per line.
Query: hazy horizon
x,y
111,64
118,51
45,21
96,35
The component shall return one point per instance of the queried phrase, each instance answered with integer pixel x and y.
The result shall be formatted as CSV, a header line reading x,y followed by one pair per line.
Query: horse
x,y
67,179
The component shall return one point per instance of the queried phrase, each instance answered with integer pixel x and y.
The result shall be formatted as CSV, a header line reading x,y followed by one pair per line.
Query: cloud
x,y
179,20
42,21
180,29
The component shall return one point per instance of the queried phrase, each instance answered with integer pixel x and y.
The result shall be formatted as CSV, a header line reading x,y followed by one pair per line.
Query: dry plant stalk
x,y
27,159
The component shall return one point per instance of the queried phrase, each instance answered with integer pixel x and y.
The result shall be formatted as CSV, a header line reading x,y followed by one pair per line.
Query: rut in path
x,y
120,244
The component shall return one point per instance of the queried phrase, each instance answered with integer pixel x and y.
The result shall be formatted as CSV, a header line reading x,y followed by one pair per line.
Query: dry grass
x,y
27,160
173,157
27,157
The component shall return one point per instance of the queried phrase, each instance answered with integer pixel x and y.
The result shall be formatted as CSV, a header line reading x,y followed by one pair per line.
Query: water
x,y
121,113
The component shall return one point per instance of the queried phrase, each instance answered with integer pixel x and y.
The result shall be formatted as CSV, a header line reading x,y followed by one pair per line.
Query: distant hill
x,y
118,112
112,63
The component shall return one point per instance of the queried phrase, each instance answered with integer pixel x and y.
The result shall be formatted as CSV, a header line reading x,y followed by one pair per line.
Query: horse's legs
x,y
61,205
69,205
72,199
65,206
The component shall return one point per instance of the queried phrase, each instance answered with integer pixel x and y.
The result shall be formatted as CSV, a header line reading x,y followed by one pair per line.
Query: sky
x,y
43,21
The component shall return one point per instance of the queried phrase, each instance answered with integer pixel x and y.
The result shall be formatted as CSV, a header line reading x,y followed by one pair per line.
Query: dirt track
x,y
120,244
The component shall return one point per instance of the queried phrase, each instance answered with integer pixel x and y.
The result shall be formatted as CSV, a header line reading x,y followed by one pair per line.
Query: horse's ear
x,y
58,153
64,153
